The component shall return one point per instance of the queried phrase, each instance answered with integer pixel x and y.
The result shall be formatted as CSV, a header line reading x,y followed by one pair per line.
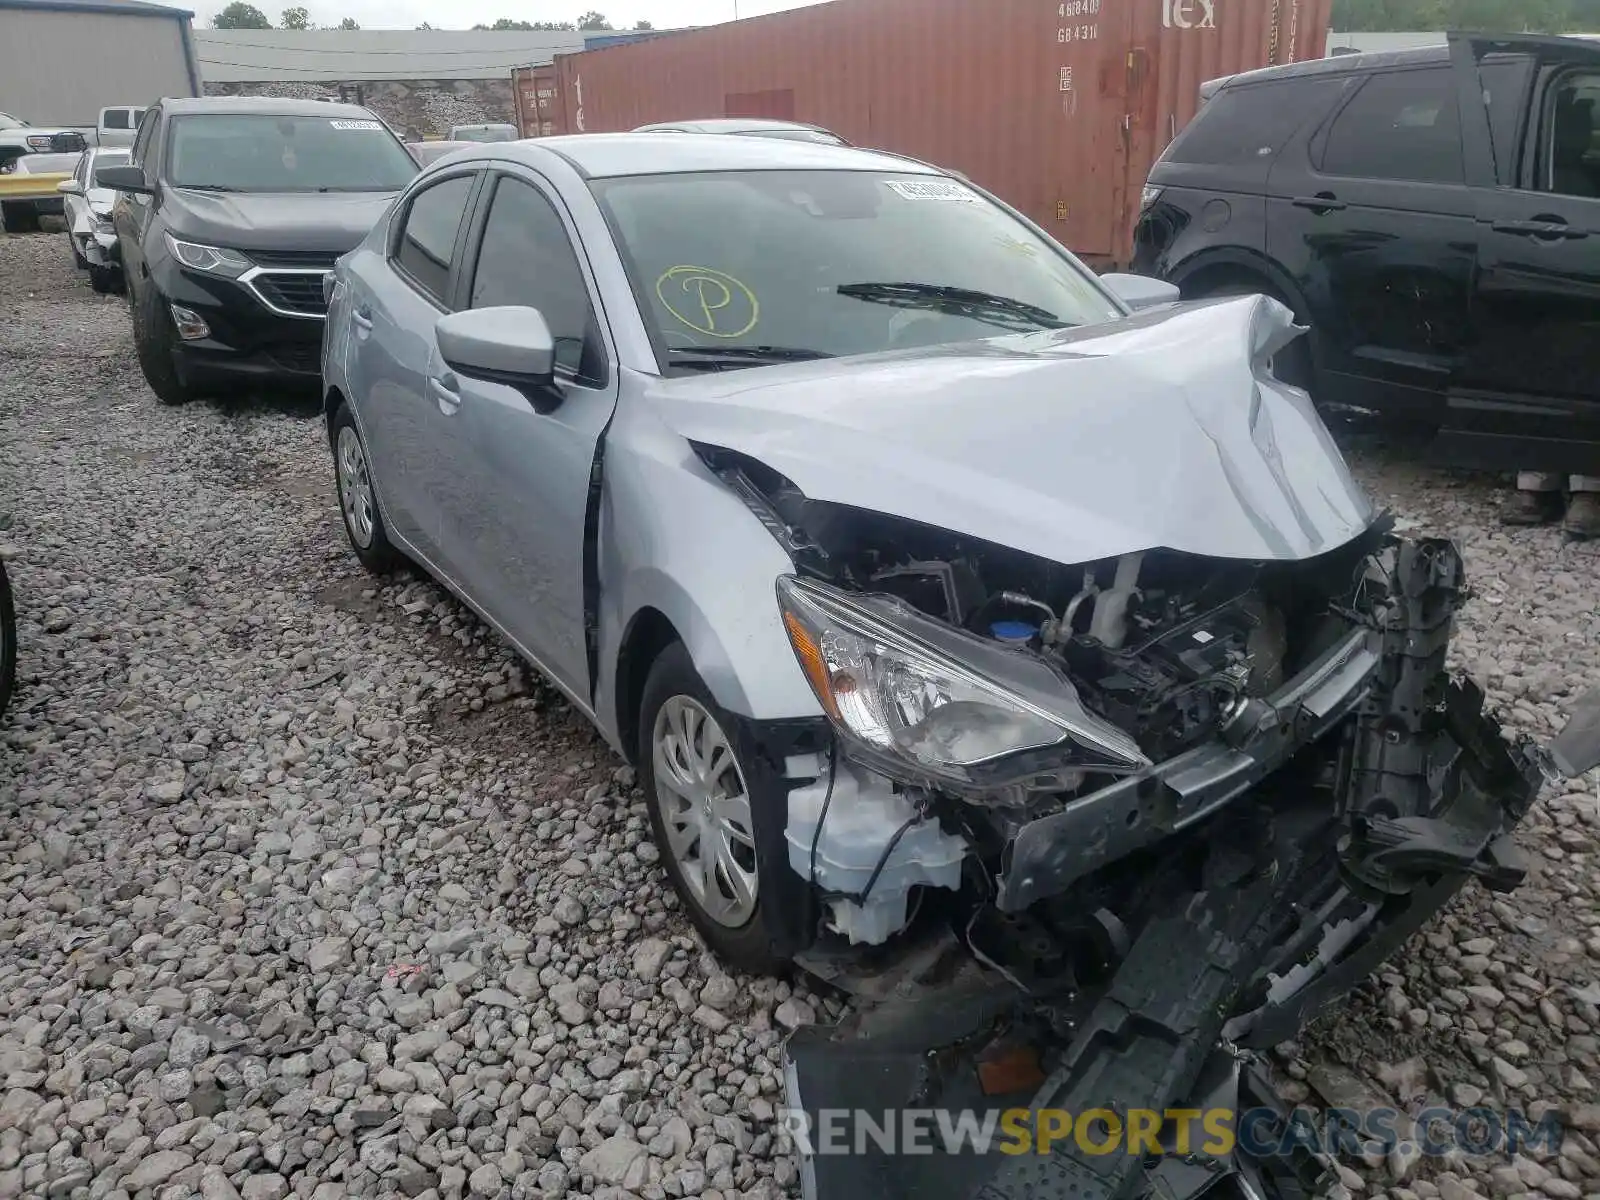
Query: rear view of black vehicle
x,y
1433,215
229,215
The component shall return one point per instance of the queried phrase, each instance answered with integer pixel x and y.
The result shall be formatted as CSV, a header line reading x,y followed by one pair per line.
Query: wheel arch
x,y
1205,272
649,632
332,398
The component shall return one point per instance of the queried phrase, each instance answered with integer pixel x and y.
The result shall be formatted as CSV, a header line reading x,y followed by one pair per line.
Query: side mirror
x,y
1576,748
1141,291
70,187
510,345
123,179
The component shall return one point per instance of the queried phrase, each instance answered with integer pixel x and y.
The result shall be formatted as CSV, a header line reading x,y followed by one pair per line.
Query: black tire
x,y
103,280
8,640
154,339
749,946
370,541
1293,364
19,217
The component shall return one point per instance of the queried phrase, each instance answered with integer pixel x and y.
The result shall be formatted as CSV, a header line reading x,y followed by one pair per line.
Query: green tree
x,y
349,23
593,20
240,15
296,18
506,23
1490,16
643,25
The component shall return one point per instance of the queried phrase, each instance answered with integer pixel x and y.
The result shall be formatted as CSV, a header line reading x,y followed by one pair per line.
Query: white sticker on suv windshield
x,y
354,124
933,189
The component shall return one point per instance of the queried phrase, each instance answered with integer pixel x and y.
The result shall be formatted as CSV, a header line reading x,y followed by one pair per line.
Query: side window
x,y
1505,84
117,118
527,258
1400,125
146,134
82,173
427,240
1570,162
1251,123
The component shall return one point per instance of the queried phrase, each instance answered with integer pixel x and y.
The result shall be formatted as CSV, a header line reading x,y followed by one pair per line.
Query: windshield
x,y
261,153
7,121
827,263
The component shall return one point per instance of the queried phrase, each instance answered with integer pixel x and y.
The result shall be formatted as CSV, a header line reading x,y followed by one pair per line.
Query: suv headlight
x,y
213,260
928,703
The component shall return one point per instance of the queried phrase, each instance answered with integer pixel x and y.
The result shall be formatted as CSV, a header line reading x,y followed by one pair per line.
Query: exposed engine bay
x,y
1275,783
1212,705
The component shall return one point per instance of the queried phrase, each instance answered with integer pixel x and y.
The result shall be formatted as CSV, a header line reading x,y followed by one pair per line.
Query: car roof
x,y
608,155
239,106
1342,64
728,124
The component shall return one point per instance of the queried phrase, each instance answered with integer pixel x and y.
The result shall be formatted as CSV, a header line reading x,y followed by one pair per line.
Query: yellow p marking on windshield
x,y
710,302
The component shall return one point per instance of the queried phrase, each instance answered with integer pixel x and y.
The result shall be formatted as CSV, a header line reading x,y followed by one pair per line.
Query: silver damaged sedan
x,y
962,611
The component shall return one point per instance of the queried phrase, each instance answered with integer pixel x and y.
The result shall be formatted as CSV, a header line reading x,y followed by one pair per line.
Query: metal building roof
x,y
130,7
248,55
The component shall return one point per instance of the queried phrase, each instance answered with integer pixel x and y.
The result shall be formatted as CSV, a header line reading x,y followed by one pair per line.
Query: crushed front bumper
x,y
1301,892
1272,936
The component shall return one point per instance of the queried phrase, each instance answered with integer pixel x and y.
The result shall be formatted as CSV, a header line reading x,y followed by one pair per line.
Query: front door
x,y
1378,211
526,489
1532,370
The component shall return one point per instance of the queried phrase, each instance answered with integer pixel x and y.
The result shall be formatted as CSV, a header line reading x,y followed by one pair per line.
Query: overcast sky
x,y
464,14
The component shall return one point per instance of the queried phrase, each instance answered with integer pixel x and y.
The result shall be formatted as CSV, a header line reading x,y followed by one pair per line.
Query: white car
x,y
87,210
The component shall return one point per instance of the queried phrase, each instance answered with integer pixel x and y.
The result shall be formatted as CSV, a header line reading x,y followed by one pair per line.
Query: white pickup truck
x,y
26,195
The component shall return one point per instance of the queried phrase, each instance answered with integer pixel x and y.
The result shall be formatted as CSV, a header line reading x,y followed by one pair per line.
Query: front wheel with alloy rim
x,y
155,341
358,498
698,791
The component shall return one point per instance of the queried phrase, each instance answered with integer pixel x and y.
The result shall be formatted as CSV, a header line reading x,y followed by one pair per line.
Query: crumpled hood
x,y
329,221
1153,431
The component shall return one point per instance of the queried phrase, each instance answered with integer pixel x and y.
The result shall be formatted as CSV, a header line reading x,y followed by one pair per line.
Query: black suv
x,y
231,212
1433,215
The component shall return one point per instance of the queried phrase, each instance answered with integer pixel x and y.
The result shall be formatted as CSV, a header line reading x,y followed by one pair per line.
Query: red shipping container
x,y
1057,106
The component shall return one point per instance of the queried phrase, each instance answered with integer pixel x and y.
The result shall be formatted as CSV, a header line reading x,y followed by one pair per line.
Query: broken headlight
x,y
926,702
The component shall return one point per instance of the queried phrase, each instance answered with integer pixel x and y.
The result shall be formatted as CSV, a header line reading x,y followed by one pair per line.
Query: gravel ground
x,y
307,888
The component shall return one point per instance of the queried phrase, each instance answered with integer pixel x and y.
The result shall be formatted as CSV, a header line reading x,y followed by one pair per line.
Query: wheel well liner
x,y
649,633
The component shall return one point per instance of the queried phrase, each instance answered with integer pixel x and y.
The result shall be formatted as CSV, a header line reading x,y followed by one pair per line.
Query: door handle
x,y
1322,202
361,317
1545,228
444,395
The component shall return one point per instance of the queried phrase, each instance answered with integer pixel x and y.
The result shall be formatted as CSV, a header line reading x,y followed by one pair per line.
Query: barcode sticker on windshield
x,y
933,189
355,124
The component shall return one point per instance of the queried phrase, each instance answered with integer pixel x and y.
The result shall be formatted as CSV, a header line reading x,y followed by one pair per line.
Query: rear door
x,y
1531,378
1373,215
395,300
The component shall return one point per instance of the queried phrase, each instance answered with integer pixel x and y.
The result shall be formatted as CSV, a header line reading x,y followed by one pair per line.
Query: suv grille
x,y
321,259
296,292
